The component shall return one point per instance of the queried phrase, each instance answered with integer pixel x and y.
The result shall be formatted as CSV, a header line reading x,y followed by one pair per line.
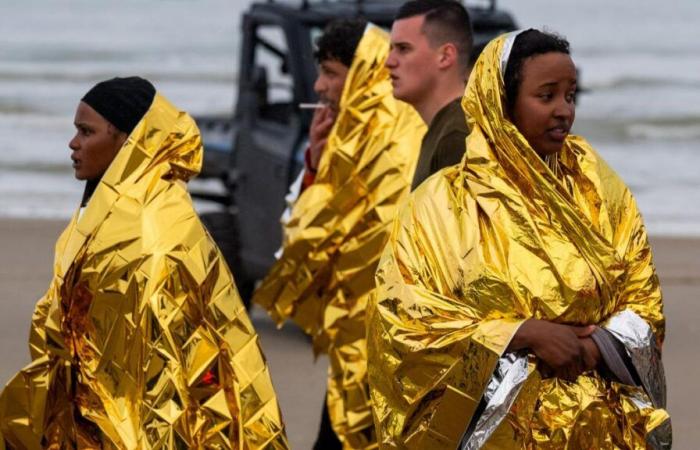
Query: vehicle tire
x,y
223,227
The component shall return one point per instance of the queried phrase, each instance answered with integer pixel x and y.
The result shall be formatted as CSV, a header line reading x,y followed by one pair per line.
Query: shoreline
x,y
676,257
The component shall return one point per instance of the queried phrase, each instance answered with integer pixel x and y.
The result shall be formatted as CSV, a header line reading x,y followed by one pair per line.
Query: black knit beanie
x,y
122,101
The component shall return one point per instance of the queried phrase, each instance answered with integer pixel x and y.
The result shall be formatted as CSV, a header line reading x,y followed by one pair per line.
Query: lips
x,y
558,133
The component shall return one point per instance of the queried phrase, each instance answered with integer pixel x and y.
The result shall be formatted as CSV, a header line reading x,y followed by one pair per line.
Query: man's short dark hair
x,y
339,40
445,21
527,44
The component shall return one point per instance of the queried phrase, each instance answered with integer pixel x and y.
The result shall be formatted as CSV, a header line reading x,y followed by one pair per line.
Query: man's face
x,y
95,143
412,62
330,82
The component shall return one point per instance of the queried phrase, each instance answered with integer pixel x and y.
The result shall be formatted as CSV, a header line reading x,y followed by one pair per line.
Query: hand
x,y
592,355
321,125
559,347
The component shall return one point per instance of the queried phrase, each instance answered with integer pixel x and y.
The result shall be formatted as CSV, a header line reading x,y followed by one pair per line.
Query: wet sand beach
x,y
25,269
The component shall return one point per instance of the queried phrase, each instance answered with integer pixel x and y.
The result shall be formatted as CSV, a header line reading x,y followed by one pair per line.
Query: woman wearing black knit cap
x,y
141,340
105,117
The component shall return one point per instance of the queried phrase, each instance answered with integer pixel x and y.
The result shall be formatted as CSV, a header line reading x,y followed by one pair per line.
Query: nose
x,y
564,110
73,144
390,60
319,85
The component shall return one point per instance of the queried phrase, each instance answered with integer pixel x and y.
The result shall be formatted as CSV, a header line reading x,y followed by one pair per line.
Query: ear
x,y
447,56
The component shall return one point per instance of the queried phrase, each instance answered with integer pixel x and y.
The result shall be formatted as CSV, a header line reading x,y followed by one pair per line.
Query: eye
x,y
571,96
327,72
546,96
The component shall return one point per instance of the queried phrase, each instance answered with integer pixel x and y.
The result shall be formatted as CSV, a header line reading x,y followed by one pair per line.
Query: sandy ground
x,y
25,269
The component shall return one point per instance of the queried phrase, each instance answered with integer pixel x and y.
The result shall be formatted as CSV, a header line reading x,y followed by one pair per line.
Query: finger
x,y
327,123
330,116
318,116
583,332
573,376
576,369
566,373
545,370
321,128
582,365
317,151
592,354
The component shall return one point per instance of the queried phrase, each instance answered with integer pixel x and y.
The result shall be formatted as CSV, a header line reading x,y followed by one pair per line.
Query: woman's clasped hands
x,y
565,351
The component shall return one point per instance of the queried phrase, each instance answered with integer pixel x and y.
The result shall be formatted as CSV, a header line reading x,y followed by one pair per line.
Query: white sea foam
x,y
640,61
685,132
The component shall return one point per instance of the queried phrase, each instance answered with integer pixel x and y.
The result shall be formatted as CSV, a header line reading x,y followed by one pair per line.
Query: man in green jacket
x,y
431,42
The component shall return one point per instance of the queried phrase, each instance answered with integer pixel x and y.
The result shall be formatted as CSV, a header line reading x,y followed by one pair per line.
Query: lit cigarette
x,y
311,105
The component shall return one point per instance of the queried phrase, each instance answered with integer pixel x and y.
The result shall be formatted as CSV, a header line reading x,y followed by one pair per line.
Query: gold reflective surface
x,y
338,228
141,341
480,247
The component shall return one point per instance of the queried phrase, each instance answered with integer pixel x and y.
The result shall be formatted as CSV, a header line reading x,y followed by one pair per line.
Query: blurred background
x,y
639,63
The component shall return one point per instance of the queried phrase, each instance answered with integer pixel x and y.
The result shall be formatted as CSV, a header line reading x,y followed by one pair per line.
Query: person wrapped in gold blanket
x,y
517,303
337,230
141,341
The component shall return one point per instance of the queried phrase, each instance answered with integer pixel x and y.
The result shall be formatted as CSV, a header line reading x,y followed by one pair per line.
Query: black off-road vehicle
x,y
258,151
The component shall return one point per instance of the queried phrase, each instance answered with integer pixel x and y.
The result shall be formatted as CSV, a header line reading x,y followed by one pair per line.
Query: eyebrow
x,y
554,83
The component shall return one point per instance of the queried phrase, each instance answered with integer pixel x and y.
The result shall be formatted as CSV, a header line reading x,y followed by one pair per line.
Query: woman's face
x,y
544,108
95,144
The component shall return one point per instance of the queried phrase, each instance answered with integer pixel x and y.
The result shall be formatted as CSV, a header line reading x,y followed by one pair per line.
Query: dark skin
x,y
544,112
95,144
544,109
566,351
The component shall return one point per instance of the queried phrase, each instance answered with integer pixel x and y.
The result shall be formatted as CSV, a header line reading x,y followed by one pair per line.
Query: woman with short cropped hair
x,y
518,305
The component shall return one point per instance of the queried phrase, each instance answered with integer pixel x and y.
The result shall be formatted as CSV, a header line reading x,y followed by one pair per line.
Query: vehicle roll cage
x,y
306,3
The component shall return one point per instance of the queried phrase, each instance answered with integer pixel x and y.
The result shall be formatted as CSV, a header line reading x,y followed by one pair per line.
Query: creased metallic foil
x,y
338,228
502,390
640,343
141,341
482,246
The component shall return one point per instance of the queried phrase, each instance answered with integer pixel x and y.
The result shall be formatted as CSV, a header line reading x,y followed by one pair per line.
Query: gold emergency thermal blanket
x,y
141,341
481,247
338,228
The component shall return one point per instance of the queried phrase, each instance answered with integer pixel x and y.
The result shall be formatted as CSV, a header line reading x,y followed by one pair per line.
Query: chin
x,y
398,95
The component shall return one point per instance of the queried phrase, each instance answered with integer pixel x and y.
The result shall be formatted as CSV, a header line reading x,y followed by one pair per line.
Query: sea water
x,y
639,62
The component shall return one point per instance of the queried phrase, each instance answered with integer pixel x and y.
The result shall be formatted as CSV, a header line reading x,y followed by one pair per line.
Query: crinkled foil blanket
x,y
141,341
338,228
483,246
